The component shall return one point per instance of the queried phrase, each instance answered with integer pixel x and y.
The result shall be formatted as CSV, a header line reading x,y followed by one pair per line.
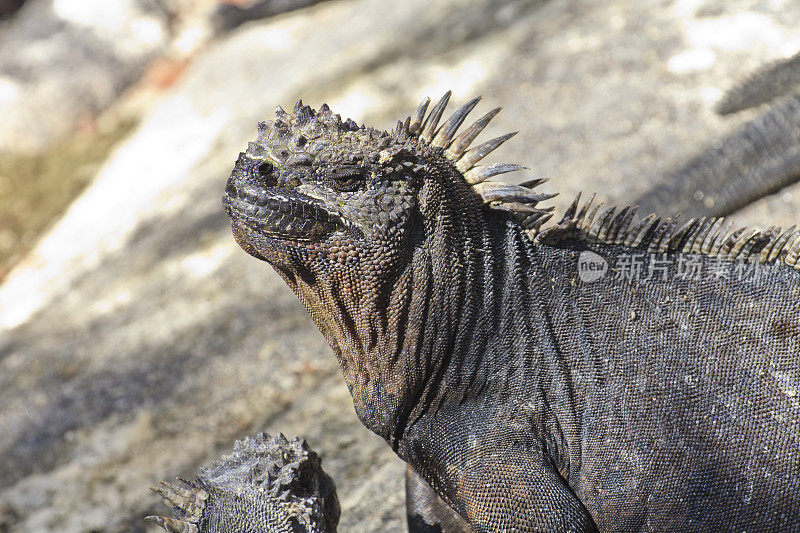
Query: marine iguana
x,y
760,158
268,484
768,82
594,374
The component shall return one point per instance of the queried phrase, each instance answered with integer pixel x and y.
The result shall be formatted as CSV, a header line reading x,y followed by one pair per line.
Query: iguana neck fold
x,y
399,338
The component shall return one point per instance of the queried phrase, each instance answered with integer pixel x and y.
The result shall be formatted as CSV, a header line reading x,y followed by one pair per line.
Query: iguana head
x,y
266,484
316,190
369,228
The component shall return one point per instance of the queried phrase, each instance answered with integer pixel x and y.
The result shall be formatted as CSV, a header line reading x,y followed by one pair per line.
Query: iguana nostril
x,y
266,171
265,168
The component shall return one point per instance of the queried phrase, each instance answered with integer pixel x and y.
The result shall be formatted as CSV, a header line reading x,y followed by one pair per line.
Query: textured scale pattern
x,y
600,373
758,159
765,84
268,484
708,236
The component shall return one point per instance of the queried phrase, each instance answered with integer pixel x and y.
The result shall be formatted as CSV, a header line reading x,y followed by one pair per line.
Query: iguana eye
x,y
345,178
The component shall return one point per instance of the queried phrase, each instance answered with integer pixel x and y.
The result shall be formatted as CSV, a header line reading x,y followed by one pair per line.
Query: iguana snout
x,y
267,202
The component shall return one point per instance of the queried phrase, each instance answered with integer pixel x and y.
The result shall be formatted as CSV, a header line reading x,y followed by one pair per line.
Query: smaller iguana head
x,y
314,190
266,484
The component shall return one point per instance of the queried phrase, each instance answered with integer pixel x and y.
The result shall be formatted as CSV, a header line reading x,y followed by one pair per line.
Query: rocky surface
x,y
138,342
63,61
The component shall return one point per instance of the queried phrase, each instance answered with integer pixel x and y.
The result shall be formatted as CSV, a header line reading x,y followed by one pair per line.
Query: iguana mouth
x,y
280,213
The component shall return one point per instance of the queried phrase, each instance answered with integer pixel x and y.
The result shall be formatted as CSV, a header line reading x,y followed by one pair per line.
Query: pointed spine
x,y
532,184
754,246
708,240
793,255
416,120
429,126
640,231
779,247
719,239
661,235
773,233
519,208
449,128
600,228
729,242
572,210
482,173
585,209
465,138
614,225
587,222
678,239
624,223
473,155
492,191
741,243
172,525
695,244
190,501
691,237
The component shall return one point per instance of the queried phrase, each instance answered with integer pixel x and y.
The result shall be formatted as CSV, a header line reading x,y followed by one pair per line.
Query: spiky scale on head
x,y
311,178
305,124
266,484
314,187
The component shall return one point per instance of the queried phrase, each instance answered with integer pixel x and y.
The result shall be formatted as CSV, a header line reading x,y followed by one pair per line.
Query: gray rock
x,y
63,61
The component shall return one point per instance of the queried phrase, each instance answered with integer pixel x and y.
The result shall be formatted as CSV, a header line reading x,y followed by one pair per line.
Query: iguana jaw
x,y
280,213
269,200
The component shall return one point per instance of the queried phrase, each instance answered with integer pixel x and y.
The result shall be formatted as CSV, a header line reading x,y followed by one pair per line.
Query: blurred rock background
x,y
137,341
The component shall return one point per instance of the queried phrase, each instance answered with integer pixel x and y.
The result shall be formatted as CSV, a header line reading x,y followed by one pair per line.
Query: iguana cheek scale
x,y
659,393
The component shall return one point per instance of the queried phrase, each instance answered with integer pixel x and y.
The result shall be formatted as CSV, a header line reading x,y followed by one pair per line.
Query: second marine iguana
x,y
267,485
776,79
760,158
594,374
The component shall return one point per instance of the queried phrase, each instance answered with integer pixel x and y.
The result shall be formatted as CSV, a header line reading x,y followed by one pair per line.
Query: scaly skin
x,y
529,398
758,159
267,485
771,81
